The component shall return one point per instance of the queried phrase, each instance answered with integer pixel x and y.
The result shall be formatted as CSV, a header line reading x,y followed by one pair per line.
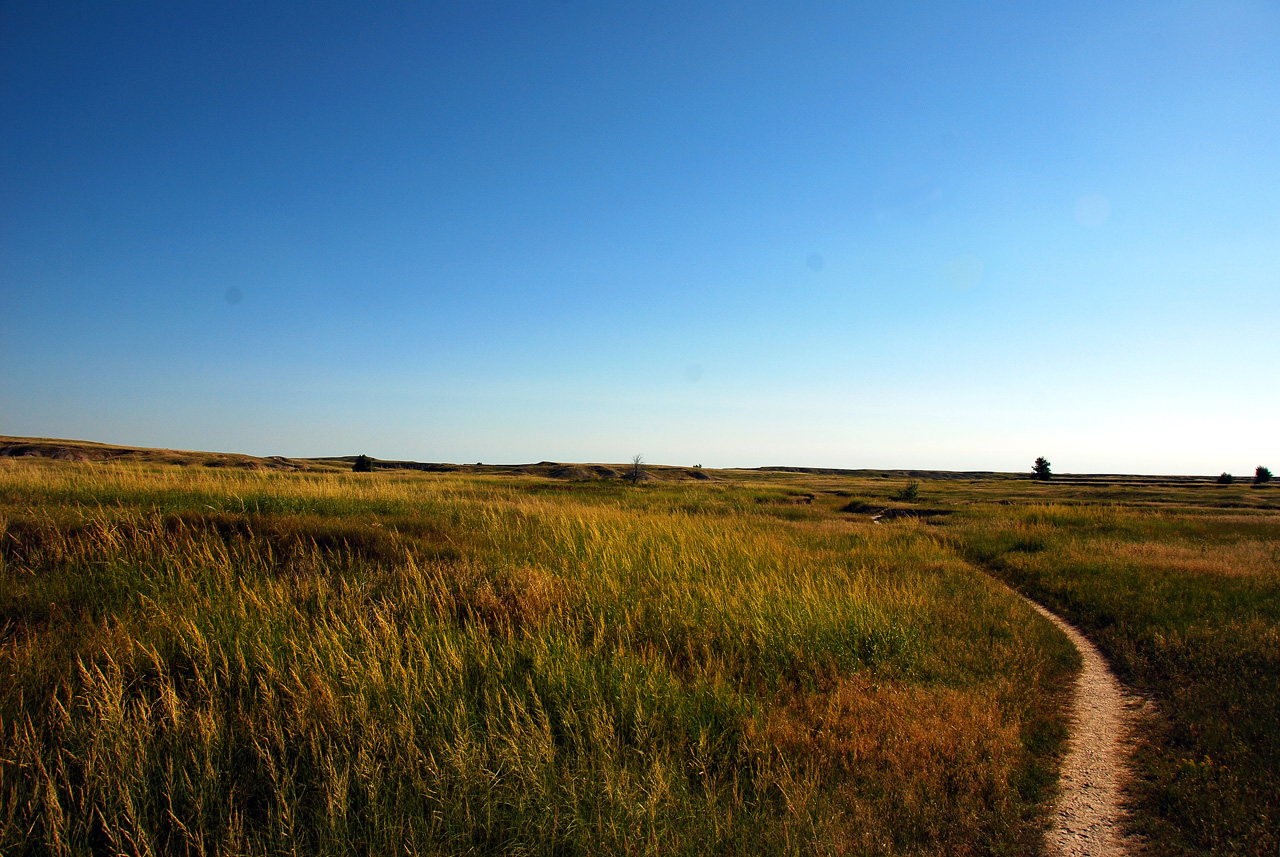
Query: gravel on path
x,y
1087,816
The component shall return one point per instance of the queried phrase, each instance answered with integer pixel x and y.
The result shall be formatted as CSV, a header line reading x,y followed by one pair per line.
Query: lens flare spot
x,y
964,272
1092,210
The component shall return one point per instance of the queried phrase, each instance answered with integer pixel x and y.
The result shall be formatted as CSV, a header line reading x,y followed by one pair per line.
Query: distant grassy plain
x,y
216,660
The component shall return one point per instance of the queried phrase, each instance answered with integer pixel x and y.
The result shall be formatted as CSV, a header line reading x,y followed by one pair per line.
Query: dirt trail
x,y
1086,817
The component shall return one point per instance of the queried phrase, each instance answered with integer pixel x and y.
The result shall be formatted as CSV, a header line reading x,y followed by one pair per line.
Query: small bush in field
x,y
364,464
909,493
1226,479
1261,475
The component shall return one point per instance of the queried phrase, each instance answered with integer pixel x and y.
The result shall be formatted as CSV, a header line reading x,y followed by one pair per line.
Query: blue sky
x,y
949,236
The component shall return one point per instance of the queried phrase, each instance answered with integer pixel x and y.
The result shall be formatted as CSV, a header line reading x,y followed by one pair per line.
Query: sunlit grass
x,y
201,661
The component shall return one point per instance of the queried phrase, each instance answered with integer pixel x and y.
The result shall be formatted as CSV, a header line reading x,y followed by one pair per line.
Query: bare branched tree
x,y
636,472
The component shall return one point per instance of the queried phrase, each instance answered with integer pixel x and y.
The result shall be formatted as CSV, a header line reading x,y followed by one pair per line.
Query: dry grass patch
x,y
926,747
1251,557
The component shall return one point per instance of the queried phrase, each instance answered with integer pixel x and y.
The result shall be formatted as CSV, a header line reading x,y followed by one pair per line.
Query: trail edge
x,y
1088,814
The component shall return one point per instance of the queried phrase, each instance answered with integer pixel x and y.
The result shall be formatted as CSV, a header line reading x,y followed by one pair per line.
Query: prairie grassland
x,y
196,661
1182,593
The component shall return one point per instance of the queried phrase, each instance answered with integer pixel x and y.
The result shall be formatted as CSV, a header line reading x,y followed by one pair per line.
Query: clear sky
x,y
949,236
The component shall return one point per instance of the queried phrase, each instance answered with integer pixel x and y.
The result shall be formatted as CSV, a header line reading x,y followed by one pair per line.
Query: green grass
x,y
215,661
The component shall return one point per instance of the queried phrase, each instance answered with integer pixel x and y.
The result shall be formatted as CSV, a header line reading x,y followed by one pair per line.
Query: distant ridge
x,y
1060,479
60,449
85,450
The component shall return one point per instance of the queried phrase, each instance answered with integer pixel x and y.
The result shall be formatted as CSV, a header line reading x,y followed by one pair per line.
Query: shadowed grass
x,y
1185,602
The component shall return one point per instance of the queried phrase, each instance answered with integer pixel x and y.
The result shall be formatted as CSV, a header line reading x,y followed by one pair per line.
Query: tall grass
x,y
203,662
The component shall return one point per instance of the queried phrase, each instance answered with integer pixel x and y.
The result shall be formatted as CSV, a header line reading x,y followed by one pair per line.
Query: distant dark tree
x,y
636,473
1262,474
1041,469
1226,479
364,464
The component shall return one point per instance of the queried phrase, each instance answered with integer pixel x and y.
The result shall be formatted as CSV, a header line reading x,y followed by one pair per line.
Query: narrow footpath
x,y
1087,816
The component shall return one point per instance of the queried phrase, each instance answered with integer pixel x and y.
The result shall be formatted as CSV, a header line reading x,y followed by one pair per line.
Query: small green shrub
x,y
909,493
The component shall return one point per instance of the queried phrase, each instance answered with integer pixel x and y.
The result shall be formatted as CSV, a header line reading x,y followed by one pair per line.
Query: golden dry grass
x,y
200,661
